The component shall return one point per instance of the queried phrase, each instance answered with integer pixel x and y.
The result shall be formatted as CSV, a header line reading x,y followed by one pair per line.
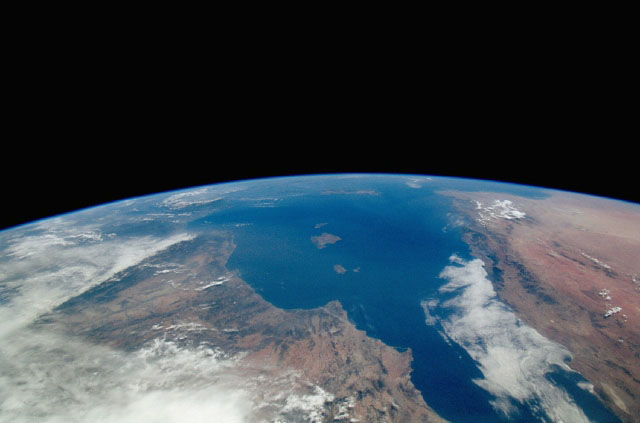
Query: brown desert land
x,y
569,266
361,378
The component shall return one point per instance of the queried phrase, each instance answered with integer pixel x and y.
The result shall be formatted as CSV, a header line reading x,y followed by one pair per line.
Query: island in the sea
x,y
321,241
339,269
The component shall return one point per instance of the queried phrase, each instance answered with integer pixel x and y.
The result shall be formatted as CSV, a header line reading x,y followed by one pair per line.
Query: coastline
x,y
350,374
544,265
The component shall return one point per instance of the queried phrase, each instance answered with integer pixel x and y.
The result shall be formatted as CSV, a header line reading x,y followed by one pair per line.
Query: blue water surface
x,y
395,240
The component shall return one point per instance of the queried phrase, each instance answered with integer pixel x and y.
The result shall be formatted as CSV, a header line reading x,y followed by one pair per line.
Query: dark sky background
x,y
47,180
81,141
94,125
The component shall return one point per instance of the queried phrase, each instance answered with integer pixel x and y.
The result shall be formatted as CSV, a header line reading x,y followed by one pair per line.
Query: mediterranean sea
x,y
394,241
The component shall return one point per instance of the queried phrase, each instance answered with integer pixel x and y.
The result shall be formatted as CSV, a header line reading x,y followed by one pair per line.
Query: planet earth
x,y
326,298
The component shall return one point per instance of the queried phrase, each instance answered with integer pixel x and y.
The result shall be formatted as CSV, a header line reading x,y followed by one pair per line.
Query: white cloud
x,y
42,271
427,305
189,198
587,387
50,378
47,376
500,209
201,196
514,358
417,182
596,261
311,404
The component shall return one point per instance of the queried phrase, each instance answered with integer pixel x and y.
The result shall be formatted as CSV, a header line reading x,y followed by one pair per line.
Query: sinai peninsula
x,y
325,298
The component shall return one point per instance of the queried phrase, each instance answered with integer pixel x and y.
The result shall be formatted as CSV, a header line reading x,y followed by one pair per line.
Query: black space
x,y
54,179
109,131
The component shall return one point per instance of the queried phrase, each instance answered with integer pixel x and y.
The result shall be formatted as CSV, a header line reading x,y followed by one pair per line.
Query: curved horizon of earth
x,y
347,297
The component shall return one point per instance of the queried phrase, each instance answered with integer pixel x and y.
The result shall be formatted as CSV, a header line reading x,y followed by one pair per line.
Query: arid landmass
x,y
325,238
185,294
339,269
569,265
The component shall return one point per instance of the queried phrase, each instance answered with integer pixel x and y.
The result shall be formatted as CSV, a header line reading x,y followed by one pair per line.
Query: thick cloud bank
x,y
48,376
514,358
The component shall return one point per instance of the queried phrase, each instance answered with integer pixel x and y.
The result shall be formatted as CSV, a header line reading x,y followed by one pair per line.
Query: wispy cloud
x,y
40,271
417,182
201,196
513,357
500,209
189,198
48,376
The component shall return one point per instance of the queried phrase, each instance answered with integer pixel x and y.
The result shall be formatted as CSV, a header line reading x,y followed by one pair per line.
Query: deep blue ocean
x,y
394,244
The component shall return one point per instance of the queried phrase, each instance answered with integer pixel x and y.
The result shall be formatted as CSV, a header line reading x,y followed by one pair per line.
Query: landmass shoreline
x,y
541,270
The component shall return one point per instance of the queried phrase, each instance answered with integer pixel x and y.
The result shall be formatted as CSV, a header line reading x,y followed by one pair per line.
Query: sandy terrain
x,y
569,265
